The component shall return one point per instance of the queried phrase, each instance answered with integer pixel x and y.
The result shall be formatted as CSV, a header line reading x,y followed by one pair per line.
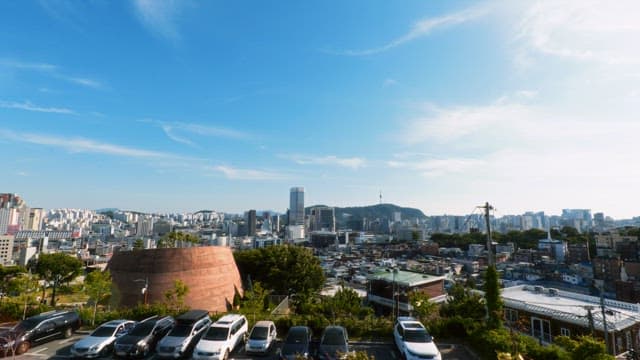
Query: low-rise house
x,y
545,313
389,289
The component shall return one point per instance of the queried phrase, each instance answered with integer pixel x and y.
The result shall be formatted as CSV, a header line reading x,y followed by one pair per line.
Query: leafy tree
x,y
175,238
584,347
285,269
56,269
344,303
24,286
492,298
422,305
255,299
7,273
462,302
98,287
138,244
175,296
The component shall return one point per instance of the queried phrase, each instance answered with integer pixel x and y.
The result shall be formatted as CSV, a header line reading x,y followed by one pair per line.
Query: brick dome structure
x,y
210,272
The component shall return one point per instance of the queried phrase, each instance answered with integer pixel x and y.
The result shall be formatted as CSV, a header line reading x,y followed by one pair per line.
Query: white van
x,y
221,338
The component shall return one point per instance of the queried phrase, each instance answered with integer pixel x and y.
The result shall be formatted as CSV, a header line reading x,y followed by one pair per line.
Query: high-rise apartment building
x,y
6,249
145,226
296,206
323,218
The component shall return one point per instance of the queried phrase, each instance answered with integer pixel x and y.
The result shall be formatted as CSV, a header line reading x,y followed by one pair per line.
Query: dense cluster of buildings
x,y
553,288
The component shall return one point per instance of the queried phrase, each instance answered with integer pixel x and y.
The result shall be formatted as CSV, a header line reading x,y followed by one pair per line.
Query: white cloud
x,y
582,30
28,106
389,82
159,16
52,71
420,29
247,174
82,145
332,160
179,131
429,167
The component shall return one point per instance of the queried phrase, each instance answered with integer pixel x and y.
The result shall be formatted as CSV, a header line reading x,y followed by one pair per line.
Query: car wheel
x,y
23,347
66,333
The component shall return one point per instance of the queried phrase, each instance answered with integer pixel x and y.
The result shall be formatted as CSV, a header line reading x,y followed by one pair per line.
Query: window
x,y
511,316
565,332
541,329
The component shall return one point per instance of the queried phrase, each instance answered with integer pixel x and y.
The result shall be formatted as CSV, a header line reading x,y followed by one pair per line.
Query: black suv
x,y
143,338
38,329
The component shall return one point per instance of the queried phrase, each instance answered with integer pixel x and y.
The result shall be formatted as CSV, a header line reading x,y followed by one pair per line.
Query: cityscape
x,y
323,180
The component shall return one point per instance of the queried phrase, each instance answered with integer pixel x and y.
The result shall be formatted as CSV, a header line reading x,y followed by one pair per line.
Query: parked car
x,y
334,343
413,340
180,341
100,341
221,338
297,343
38,329
261,338
143,338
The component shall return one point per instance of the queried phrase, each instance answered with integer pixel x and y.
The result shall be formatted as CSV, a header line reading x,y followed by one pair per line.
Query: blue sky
x,y
441,105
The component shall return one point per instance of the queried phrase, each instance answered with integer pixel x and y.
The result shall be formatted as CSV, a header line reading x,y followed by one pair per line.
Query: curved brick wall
x,y
210,272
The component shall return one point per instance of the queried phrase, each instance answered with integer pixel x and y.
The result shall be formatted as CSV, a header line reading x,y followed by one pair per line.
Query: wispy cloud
x,y
332,160
430,167
81,145
159,16
51,70
248,174
420,29
28,106
180,131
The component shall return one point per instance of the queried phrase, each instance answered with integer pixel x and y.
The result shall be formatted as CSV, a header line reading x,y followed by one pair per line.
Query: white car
x,y
261,338
413,340
100,341
221,338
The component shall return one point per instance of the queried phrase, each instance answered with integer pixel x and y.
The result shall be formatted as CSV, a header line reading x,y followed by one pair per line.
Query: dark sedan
x,y
334,343
142,339
296,344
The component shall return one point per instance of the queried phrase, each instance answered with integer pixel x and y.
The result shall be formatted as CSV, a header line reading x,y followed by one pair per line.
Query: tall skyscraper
x,y
296,206
323,218
251,223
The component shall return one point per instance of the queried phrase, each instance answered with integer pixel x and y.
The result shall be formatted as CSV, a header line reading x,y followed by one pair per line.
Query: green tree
x,y
285,269
464,303
98,286
7,273
24,286
493,300
254,300
422,305
56,269
175,238
175,296
138,244
584,347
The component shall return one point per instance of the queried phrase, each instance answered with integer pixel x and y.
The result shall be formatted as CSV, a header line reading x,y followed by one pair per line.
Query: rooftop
x,y
571,307
406,278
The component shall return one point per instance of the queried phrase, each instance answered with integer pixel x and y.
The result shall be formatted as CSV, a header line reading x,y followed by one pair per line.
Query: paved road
x,y
59,349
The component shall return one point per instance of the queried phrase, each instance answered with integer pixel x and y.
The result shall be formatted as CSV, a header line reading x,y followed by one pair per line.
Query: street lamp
x,y
145,289
394,305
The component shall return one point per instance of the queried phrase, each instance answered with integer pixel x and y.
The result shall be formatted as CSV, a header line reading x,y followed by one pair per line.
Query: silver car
x,y
262,337
100,341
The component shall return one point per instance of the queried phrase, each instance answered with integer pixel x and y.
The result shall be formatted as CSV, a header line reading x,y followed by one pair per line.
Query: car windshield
x,y
259,333
216,333
333,337
417,335
104,331
142,329
180,331
297,337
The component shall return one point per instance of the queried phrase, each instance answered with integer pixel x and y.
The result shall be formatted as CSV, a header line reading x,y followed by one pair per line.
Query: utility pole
x,y
590,318
604,319
487,219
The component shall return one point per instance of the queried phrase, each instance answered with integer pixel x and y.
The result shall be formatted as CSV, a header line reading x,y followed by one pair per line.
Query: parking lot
x,y
59,349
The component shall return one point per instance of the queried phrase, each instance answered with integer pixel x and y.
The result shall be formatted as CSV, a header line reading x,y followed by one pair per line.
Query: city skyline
x,y
162,106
